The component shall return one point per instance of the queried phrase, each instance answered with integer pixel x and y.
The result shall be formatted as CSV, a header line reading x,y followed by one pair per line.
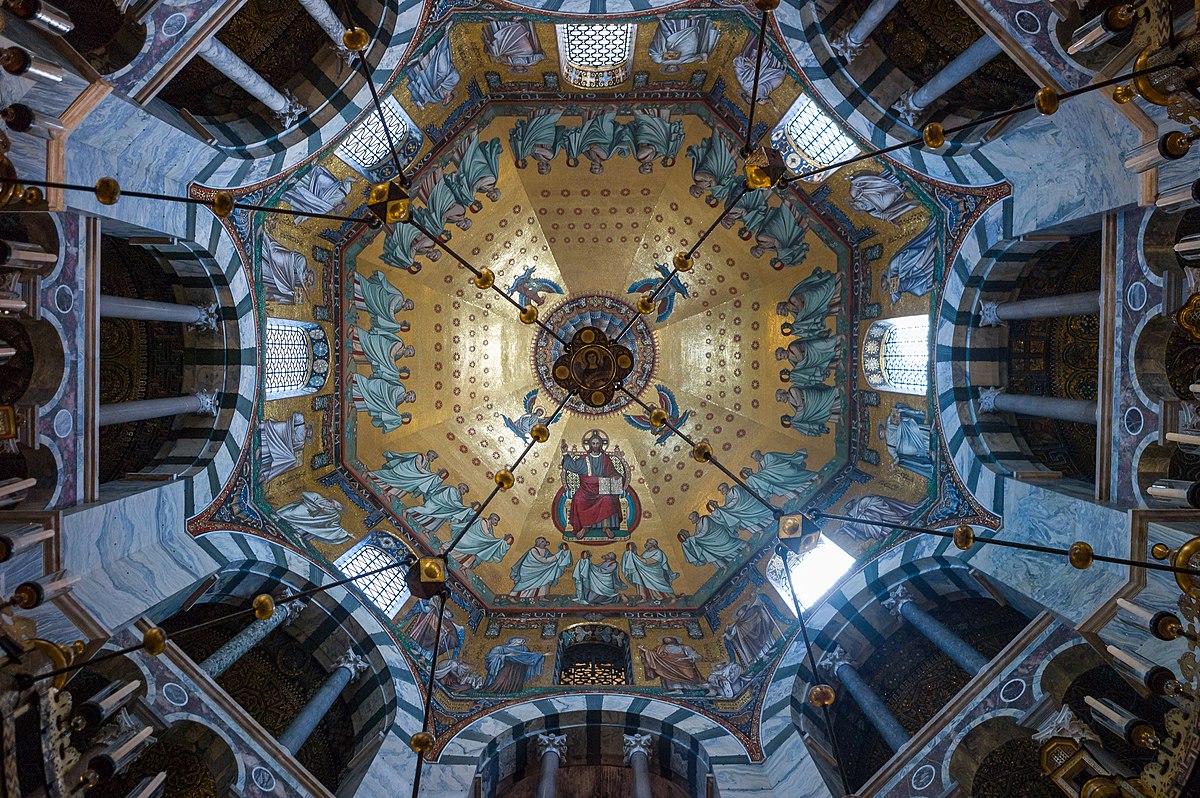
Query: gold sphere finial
x,y
934,135
964,537
658,417
1080,555
505,479
822,695
529,314
421,742
485,279
108,191
540,433
1123,94
684,262
766,5
1160,551
33,196
645,304
432,568
154,641
702,452
1174,145
222,204
1046,101
264,606
356,39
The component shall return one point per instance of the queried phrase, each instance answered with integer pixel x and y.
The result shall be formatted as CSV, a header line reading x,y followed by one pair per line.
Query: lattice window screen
x,y
818,137
366,146
896,355
386,590
287,358
596,56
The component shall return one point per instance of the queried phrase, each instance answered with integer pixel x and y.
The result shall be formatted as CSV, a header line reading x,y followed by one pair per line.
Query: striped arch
x,y
388,704
967,357
688,746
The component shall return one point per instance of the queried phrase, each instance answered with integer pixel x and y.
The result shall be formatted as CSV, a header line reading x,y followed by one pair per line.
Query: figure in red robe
x,y
596,481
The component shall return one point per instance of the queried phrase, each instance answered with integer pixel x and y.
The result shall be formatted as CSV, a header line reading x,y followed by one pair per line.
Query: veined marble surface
x,y
131,553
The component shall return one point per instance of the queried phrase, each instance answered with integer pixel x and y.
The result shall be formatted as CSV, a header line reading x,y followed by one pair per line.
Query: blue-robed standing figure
x,y
510,665
908,439
911,269
539,569
433,76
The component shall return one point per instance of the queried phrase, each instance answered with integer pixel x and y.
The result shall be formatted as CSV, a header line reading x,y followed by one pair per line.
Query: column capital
x,y
989,315
208,318
1065,724
905,108
353,662
845,47
552,743
636,744
292,610
987,399
834,659
210,402
898,596
292,110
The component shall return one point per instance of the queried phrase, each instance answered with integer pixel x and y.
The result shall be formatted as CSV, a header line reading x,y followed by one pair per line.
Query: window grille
x,y
596,56
816,138
287,359
366,146
387,590
593,664
896,355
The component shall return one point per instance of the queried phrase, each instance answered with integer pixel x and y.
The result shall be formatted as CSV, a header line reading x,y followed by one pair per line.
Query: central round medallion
x,y
596,353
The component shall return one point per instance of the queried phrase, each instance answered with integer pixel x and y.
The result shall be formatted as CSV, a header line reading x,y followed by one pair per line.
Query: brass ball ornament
x,y
646,304
505,479
485,279
821,695
529,314
422,742
356,39
264,606
154,641
964,537
540,433
702,452
1046,101
684,262
658,417
108,191
934,135
222,204
766,5
1080,555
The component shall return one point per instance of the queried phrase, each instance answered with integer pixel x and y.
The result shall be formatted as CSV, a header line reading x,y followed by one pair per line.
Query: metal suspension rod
x,y
783,552
713,459
762,37
1014,544
184,200
479,512
437,644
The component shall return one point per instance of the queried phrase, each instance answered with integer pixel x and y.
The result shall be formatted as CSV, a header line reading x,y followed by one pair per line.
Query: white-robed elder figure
x,y
683,41
479,543
649,572
281,443
316,517
713,543
909,439
514,43
539,569
286,275
880,195
409,473
597,583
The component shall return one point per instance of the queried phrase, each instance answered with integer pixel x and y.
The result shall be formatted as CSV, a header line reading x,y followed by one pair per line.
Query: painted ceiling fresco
x,y
578,200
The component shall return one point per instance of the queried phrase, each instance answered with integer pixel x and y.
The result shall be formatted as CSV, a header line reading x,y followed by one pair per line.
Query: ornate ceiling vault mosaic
x,y
578,200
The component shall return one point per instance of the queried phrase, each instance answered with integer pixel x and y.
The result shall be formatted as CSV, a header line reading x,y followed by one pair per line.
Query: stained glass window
x,y
596,56
295,358
896,355
814,573
816,138
386,590
366,146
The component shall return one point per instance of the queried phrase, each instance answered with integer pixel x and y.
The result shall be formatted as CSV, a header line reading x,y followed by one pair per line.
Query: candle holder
x,y
1181,558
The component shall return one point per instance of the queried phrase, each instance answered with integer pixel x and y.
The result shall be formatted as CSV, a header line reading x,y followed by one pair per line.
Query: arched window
x,y
814,572
596,56
593,654
295,358
896,355
366,145
387,590
808,137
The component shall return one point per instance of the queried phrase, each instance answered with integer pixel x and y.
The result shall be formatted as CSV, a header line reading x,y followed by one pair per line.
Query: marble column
x,y
328,19
994,400
552,748
202,403
994,314
838,663
852,42
900,604
19,255
637,756
200,317
248,638
286,108
914,101
347,668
